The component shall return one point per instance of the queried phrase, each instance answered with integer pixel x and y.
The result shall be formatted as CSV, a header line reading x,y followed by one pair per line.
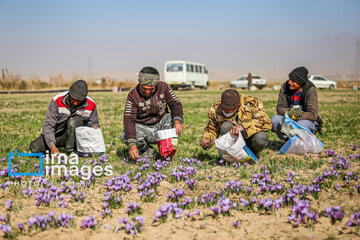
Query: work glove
x,y
295,113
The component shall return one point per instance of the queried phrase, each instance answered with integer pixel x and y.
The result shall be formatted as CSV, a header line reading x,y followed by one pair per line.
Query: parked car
x,y
322,82
242,82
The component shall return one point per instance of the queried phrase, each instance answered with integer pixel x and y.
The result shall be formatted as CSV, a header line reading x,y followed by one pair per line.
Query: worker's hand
x,y
178,126
95,127
204,143
134,152
236,129
54,150
295,113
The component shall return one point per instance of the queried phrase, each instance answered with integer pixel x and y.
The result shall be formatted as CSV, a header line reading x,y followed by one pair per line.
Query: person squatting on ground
x,y
67,111
298,98
238,114
146,111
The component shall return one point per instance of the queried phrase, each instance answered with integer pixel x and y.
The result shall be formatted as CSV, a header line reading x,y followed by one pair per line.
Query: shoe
x,y
80,154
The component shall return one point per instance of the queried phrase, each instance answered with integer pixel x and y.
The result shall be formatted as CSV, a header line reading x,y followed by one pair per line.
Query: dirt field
x,y
280,197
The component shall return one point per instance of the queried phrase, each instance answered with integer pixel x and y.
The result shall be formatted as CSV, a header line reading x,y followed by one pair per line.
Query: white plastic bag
x,y
301,140
89,140
234,149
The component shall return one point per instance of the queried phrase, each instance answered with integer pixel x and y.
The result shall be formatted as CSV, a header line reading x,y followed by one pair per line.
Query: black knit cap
x,y
79,90
230,99
299,75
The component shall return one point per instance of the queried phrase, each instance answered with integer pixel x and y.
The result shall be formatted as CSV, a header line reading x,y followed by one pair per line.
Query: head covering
x,y
299,75
230,99
149,79
79,90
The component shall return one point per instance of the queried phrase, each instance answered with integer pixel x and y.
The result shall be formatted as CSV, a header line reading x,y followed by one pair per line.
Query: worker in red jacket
x,y
147,111
67,111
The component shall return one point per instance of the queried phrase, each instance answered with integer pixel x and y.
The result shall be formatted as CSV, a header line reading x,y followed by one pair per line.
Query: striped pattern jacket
x,y
149,111
59,112
251,115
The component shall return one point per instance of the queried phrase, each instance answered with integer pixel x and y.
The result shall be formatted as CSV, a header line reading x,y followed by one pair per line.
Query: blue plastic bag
x,y
301,140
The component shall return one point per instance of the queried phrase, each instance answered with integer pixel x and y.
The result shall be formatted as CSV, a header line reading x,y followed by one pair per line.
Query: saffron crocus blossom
x,y
64,219
9,205
133,208
354,220
334,213
89,222
236,223
301,213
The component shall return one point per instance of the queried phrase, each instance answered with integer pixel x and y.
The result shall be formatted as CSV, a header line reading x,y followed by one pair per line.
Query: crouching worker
x,y
146,112
67,111
298,98
238,114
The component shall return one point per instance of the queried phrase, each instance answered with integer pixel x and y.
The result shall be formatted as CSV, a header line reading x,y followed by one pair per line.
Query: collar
x,y
66,101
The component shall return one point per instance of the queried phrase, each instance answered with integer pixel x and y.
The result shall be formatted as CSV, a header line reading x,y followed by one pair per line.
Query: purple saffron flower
x,y
20,226
5,229
89,222
354,220
9,205
236,223
3,218
124,220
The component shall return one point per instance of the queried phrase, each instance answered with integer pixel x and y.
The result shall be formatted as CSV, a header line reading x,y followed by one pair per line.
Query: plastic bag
x,y
234,149
167,142
301,140
89,140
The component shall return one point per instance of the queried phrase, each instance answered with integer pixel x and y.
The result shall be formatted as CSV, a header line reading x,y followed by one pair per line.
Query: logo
x,y
40,155
62,165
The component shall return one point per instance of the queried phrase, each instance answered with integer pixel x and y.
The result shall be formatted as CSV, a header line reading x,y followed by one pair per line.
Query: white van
x,y
186,74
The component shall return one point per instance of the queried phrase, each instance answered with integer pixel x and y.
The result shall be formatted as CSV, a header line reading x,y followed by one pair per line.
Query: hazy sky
x,y
231,37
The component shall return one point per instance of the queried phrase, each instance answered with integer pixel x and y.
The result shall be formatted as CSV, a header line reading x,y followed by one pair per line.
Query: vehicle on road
x,y
186,74
321,82
242,82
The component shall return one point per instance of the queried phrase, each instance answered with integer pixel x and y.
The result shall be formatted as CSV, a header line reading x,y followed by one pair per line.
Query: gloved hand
x,y
295,113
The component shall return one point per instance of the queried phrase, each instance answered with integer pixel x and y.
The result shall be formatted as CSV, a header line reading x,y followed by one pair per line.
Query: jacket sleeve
x,y
93,120
49,124
282,105
312,106
255,119
129,120
174,104
212,130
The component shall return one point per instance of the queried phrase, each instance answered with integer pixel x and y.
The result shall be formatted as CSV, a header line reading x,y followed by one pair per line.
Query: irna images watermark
x,y
61,165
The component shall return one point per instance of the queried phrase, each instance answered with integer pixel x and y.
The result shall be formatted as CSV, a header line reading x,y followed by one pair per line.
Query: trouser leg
x,y
142,133
276,122
72,124
311,125
145,134
257,142
39,144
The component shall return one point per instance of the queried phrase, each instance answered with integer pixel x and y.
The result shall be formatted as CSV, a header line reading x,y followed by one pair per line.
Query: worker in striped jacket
x,y
147,111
